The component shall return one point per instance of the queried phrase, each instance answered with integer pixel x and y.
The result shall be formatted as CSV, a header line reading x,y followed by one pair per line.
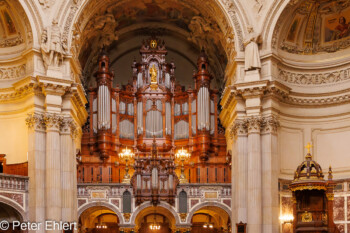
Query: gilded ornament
x,y
306,217
330,196
309,187
153,73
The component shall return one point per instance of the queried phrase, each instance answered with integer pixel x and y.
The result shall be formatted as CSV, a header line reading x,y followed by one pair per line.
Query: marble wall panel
x,y
339,210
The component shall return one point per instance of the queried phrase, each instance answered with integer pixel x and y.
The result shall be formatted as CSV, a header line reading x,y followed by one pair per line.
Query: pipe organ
x,y
153,110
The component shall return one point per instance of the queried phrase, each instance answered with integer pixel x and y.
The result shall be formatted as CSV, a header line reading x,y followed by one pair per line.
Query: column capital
x,y
53,121
254,124
35,121
239,128
269,124
68,126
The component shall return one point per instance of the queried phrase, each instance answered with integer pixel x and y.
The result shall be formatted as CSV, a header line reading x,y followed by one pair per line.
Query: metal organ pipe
x,y
203,109
104,111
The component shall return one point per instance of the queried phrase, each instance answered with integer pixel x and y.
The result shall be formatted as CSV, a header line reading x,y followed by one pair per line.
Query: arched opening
x,y
98,219
155,215
210,219
10,214
119,27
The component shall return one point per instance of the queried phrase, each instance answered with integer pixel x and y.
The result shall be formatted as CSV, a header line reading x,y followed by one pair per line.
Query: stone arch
x,y
162,204
271,22
208,204
15,206
102,204
231,22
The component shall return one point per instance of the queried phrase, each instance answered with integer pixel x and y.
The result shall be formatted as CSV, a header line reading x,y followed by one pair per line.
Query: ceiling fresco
x,y
317,26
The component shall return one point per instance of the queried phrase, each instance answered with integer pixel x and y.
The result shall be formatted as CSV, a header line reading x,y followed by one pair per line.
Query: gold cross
x,y
308,147
153,43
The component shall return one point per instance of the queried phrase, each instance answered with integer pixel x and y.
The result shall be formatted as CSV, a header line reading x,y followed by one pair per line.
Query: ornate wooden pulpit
x,y
312,198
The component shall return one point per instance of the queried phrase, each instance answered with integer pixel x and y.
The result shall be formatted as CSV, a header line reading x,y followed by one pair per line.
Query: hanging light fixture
x,y
127,155
155,225
182,155
208,224
101,225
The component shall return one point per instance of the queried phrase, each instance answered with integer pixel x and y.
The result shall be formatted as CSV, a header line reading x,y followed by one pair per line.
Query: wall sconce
x,y
287,218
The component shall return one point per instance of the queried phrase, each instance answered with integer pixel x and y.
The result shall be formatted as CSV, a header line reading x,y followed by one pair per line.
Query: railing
x,y
14,182
114,189
193,189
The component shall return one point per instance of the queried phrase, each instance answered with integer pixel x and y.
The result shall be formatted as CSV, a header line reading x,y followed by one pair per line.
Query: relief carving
x,y
314,79
46,3
13,72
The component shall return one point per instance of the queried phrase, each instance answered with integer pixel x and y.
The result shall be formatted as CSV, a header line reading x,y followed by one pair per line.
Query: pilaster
x,y
53,180
254,175
67,135
36,167
269,146
239,170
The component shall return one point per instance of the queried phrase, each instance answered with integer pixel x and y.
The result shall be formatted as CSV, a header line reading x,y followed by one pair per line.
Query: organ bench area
x,y
153,111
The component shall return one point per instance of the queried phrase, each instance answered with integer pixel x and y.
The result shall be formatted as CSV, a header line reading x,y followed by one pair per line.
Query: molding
x,y
325,78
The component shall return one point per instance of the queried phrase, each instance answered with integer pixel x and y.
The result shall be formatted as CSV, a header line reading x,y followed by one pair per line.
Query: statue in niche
x,y
153,73
52,47
252,57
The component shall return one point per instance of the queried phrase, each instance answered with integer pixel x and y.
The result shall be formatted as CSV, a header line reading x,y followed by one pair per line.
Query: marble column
x,y
36,168
239,172
53,168
254,176
68,164
269,152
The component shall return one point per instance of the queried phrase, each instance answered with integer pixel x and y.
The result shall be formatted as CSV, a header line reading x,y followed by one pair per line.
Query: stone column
x,y
270,196
254,176
239,172
68,164
53,168
36,168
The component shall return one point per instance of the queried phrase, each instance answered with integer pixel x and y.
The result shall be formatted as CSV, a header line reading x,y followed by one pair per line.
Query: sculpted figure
x,y
153,73
52,46
252,57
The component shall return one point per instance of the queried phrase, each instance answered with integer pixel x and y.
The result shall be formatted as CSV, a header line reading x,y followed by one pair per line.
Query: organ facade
x,y
154,117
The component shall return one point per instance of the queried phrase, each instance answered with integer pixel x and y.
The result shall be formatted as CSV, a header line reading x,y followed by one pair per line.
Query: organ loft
x,y
136,132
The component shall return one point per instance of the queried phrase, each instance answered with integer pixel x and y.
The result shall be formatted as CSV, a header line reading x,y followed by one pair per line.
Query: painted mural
x,y
337,26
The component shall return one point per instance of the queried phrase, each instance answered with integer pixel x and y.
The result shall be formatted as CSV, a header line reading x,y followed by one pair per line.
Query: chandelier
x,y
182,155
155,225
127,155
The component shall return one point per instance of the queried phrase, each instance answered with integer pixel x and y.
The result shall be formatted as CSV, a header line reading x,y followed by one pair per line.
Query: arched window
x,y
182,202
126,202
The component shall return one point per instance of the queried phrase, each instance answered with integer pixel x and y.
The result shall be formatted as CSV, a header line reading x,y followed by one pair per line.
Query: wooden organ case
x,y
155,117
